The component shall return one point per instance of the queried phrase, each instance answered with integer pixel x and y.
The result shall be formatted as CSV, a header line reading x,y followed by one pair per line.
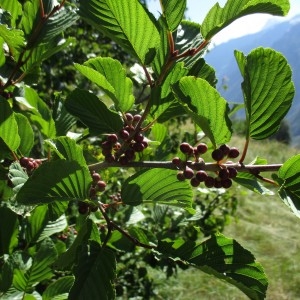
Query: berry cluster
x,y
122,147
30,164
224,176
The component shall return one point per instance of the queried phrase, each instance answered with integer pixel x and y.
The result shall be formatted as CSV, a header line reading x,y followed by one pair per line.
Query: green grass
x,y
263,225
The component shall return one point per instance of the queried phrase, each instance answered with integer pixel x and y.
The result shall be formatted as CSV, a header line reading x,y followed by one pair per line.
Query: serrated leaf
x,y
40,269
94,274
157,186
250,182
220,17
58,180
26,134
8,230
224,258
14,8
127,23
268,90
289,178
93,113
59,289
173,11
17,176
14,38
109,75
8,126
206,107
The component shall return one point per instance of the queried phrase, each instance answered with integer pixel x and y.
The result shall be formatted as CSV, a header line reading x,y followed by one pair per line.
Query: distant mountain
x,y
283,37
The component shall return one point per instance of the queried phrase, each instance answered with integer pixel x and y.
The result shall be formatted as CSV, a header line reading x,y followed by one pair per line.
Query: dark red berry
x,y
225,149
145,143
188,173
223,174
124,134
218,183
96,177
136,119
185,148
202,148
138,147
92,192
226,183
180,176
110,158
176,161
101,185
209,182
106,152
83,208
129,153
138,137
113,138
129,117
201,175
233,152
195,182
123,160
217,155
24,161
117,146
232,172
106,145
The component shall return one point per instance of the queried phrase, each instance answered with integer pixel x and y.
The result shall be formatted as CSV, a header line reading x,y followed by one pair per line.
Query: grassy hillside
x,y
263,225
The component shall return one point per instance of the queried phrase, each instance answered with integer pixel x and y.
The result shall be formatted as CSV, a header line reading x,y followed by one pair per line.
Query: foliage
x,y
68,231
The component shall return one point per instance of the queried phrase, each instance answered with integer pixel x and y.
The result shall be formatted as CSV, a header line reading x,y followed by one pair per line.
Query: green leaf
x,y
127,23
224,258
40,269
206,107
250,182
9,230
218,17
8,126
58,180
6,275
289,179
95,273
268,90
14,38
173,11
26,134
93,113
59,289
157,186
109,75
17,176
89,231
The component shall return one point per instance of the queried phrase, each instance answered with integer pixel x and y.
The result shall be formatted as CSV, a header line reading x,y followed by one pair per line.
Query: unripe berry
x,y
217,155
202,148
185,148
233,152
188,173
94,208
195,182
201,175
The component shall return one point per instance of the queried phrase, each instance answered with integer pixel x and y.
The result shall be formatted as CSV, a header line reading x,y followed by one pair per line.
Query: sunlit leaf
x,y
206,107
126,22
157,186
220,17
93,113
224,258
14,38
173,11
289,179
268,90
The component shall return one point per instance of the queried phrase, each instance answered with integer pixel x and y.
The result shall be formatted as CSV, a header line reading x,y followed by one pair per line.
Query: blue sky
x,y
197,9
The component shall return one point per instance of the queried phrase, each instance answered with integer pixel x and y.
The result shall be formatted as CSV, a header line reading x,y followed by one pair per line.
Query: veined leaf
x,y
59,289
173,11
224,258
126,22
218,17
93,113
14,8
14,38
109,75
58,180
289,179
17,176
40,269
157,186
94,274
268,90
205,106
8,126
